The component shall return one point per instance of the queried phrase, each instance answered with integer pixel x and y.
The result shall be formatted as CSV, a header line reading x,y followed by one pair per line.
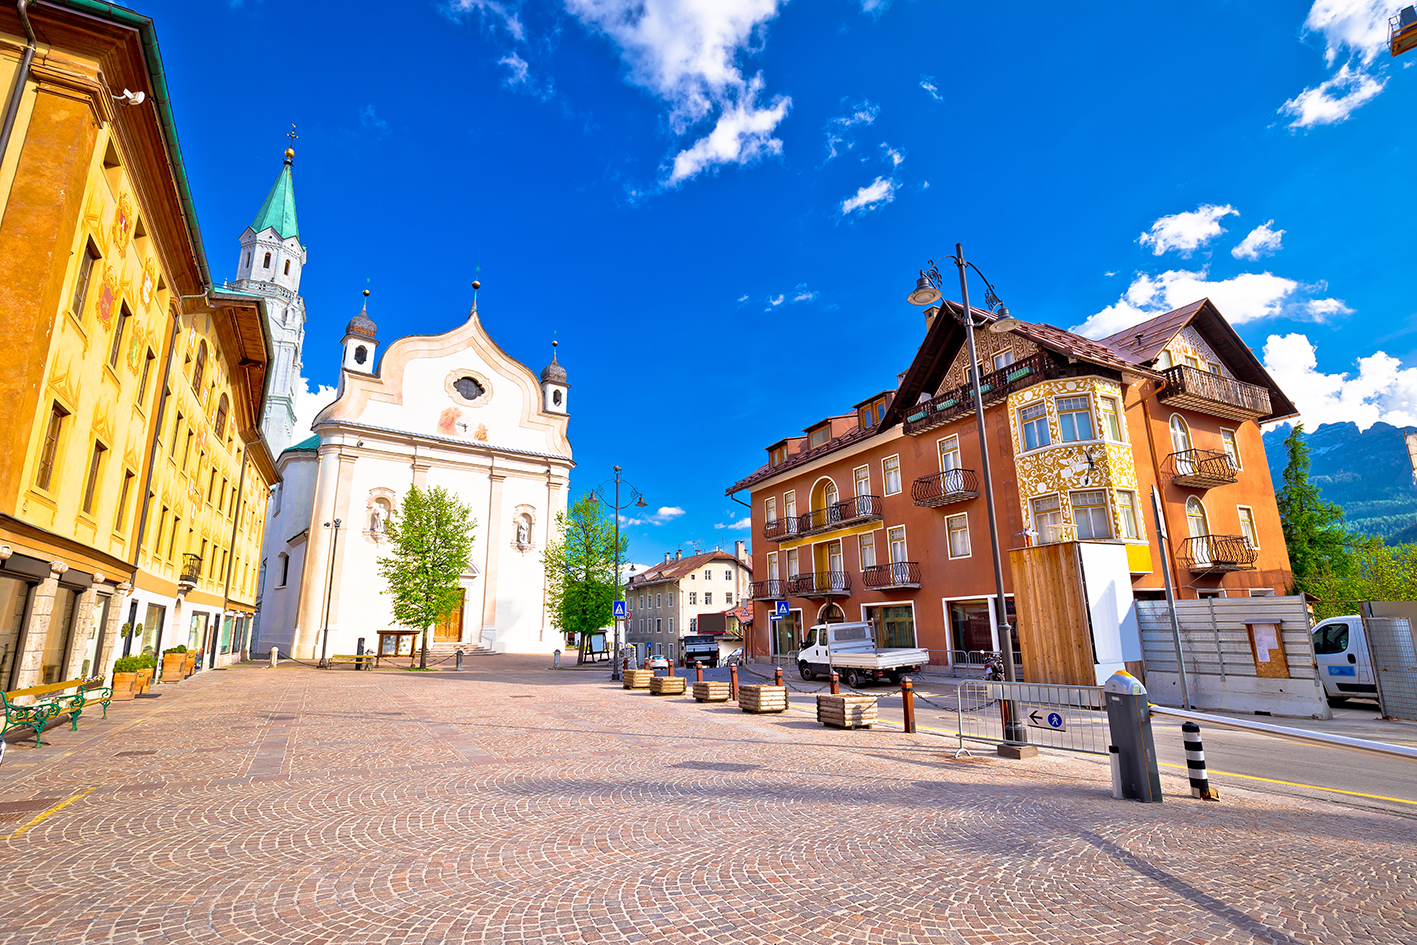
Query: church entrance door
x,y
449,629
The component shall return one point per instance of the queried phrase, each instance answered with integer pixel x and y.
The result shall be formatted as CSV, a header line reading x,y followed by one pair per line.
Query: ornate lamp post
x,y
635,499
928,290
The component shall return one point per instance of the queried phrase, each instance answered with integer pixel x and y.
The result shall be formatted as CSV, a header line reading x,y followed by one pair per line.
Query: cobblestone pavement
x,y
513,804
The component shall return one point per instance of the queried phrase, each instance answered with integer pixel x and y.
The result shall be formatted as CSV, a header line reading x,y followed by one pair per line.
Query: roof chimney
x,y
740,550
678,554
930,314
666,557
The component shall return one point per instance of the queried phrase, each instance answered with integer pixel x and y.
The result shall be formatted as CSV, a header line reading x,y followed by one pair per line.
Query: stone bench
x,y
762,698
847,711
667,686
711,691
638,678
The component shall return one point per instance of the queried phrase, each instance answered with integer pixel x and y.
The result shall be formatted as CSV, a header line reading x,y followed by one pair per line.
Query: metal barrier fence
x,y
1394,658
1064,718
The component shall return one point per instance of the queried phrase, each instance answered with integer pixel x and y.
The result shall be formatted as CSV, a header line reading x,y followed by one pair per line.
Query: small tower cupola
x,y
360,340
554,388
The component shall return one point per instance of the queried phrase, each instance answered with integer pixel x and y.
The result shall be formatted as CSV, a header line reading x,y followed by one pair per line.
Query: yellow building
x,y
128,376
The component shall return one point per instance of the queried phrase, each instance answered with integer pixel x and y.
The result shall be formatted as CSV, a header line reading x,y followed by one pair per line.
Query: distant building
x,y
666,601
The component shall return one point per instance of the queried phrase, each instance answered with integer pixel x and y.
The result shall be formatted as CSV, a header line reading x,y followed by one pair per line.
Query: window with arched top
x,y
287,267
1180,434
222,406
200,368
267,263
361,354
556,398
1196,519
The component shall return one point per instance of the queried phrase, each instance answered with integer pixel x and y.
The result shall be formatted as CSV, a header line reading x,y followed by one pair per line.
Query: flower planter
x,y
761,699
711,690
191,664
638,678
145,680
173,665
125,686
847,711
667,686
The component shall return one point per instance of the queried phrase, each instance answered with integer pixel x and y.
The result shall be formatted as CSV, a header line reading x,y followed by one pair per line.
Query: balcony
x,y
1204,392
1216,554
820,584
843,514
946,488
767,590
893,576
994,387
191,572
1200,469
780,529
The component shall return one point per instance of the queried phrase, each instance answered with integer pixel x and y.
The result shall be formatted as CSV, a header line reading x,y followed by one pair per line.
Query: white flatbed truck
x,y
850,649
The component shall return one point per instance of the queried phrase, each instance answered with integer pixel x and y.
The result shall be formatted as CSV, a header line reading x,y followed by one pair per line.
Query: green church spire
x,y
278,212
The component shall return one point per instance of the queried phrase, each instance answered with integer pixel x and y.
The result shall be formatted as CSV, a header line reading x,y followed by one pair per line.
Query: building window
x,y
1264,592
708,598
1111,418
1075,418
671,598
81,284
115,352
693,598
143,381
770,509
176,429
1033,422
123,491
45,474
671,624
1090,515
658,601
777,455
1213,367
949,453
708,575
361,354
867,543
772,566
1163,360
895,540
1048,518
890,467
1180,434
266,264
468,388
659,625
222,407
728,575
287,267
1003,359
91,483
1232,449
199,370
1247,526
248,259
728,598
792,563
1127,510
556,398
820,435
1192,361
958,528
863,480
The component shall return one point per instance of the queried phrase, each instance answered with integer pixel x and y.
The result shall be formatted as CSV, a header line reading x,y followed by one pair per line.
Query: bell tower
x,y
360,341
554,387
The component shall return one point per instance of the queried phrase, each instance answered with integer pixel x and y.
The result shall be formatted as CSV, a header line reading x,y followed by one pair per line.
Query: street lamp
x,y
600,493
329,591
928,290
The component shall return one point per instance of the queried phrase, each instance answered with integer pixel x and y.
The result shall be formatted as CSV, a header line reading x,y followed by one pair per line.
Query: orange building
x,y
879,514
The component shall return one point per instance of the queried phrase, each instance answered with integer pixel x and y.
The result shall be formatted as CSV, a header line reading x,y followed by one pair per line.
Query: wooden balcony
x,y
1204,392
820,584
780,529
772,589
1216,554
843,514
993,387
894,576
945,488
1200,469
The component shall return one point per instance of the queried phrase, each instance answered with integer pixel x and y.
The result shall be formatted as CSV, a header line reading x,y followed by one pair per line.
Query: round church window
x,y
468,388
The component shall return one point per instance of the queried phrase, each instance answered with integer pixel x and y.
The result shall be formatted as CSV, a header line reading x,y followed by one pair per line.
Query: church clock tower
x,y
271,259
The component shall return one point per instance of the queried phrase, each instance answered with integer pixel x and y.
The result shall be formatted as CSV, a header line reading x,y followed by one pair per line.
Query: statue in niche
x,y
523,531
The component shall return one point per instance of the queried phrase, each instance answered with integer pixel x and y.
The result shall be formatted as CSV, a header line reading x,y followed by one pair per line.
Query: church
x,y
451,410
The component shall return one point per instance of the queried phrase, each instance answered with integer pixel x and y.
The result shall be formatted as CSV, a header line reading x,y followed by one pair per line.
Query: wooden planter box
x,y
847,711
145,681
191,665
762,699
125,686
638,678
711,691
173,666
667,686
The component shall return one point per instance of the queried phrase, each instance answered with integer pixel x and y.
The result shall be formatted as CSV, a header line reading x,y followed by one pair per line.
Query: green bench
x,y
52,700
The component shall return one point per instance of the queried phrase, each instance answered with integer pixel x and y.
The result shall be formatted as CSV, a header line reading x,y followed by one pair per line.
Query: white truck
x,y
1342,655
850,649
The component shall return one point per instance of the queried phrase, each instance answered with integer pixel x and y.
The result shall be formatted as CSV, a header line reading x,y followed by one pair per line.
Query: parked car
x,y
1342,655
735,658
657,662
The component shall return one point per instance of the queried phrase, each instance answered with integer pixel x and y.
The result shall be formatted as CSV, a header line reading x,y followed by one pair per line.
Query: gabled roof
x,y
308,445
674,570
278,212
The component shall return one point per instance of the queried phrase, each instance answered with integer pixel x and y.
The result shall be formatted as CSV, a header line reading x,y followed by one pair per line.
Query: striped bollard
x,y
1195,763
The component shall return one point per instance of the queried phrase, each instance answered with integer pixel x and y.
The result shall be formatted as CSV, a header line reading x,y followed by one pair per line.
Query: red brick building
x,y
879,513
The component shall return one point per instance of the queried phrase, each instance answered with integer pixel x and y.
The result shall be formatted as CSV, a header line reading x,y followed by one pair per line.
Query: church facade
x,y
451,410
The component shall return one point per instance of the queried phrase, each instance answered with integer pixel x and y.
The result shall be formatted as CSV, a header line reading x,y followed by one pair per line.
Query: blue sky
x,y
718,208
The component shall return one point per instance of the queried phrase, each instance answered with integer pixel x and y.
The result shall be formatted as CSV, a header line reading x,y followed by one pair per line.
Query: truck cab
x,y
1341,651
850,649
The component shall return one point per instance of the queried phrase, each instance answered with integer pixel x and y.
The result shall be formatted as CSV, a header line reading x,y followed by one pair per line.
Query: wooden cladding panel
x,y
1053,622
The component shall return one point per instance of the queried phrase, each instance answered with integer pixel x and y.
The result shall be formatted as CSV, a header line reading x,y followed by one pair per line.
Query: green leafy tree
x,y
430,540
1313,529
1378,572
580,571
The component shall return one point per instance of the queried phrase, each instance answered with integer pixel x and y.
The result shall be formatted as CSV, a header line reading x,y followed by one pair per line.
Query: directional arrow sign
x,y
619,608
1043,717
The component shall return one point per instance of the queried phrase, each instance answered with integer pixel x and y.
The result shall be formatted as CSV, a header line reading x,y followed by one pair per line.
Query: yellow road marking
x,y
46,814
1312,787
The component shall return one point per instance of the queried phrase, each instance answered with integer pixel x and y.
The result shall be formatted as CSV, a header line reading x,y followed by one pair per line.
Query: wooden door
x,y
449,629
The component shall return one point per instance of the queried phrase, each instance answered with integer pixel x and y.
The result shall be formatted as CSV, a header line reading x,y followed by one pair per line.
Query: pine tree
x,y
431,540
580,571
1314,530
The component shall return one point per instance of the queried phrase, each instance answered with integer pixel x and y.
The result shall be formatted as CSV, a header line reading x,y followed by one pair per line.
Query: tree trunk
x,y
423,660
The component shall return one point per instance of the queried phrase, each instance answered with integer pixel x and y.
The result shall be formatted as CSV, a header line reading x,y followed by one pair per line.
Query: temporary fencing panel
x,y
1394,658
1065,718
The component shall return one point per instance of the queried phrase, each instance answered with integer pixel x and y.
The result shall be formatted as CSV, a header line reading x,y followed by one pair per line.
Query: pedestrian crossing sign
x,y
619,609
779,611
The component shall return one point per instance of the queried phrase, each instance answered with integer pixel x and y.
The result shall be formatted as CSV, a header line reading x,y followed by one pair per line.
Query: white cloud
x,y
1186,231
875,7
774,302
662,516
1359,25
743,523
896,157
1380,390
1263,240
879,191
517,66
803,294
742,299
1321,106
668,512
863,113
686,52
373,122
308,403
497,13
1245,298
927,83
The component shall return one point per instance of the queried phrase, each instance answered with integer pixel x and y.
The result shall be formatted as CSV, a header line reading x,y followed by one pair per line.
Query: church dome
x,y
553,371
362,324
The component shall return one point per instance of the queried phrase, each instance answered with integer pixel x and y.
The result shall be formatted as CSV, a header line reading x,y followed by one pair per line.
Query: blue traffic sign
x,y
1046,718
619,608
781,609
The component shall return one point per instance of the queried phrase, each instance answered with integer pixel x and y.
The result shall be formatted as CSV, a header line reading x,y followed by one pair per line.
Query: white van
x,y
1342,654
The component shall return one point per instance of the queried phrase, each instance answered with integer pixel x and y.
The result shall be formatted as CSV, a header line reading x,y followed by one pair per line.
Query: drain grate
x,y
130,754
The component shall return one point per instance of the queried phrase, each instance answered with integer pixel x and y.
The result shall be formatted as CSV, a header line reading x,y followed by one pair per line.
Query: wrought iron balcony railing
x,y
771,589
1200,469
1216,554
780,529
853,511
945,488
993,387
820,584
1213,394
893,575
191,570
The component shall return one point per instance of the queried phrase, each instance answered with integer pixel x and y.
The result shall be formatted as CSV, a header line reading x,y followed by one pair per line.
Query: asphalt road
x,y
1254,762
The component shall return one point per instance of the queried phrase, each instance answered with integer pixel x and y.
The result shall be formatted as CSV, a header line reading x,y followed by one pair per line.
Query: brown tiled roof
x,y
804,456
1145,341
670,571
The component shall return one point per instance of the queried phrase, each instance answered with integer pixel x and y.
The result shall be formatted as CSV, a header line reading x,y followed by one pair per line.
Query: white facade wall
x,y
287,533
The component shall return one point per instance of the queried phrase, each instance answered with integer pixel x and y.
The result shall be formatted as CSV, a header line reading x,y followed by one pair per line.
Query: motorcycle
x,y
993,668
